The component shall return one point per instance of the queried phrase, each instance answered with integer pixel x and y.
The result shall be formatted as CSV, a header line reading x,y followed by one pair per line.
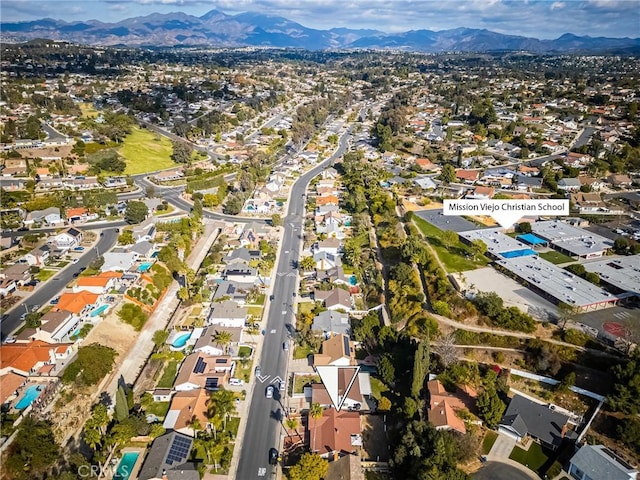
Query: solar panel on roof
x,y
345,339
211,384
179,450
221,360
200,366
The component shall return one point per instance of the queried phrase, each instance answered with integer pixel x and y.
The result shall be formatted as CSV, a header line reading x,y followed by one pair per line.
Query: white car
x,y
236,381
75,260
269,392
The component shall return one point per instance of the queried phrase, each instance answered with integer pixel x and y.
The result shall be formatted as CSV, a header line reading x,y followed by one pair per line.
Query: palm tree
x,y
307,263
223,339
196,426
315,413
292,424
220,405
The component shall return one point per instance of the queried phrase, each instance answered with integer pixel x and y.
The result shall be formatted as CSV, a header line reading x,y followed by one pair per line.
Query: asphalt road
x,y
501,471
45,291
265,415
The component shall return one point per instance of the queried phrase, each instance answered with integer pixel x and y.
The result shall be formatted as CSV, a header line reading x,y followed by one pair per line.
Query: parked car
x,y
236,381
269,392
273,456
285,346
258,371
283,386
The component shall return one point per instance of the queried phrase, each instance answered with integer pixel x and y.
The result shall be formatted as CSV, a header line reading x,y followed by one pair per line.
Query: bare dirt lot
x,y
374,438
61,151
113,333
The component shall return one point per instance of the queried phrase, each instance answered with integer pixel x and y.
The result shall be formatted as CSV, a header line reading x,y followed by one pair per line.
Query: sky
x,y
543,19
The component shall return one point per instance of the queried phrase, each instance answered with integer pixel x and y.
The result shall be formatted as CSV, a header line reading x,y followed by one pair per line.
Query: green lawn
x,y
301,380
44,275
305,307
232,425
454,258
377,388
555,257
255,311
301,352
488,441
169,375
243,371
159,409
144,152
88,111
534,458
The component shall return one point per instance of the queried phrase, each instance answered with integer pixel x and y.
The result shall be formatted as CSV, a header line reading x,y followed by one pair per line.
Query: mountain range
x,y
217,29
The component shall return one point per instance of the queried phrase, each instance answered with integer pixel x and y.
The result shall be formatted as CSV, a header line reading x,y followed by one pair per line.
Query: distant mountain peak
x,y
216,28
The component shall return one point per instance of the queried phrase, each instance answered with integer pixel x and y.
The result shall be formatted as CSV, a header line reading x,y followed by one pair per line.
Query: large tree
x,y
182,152
311,466
33,451
136,212
490,407
420,368
626,389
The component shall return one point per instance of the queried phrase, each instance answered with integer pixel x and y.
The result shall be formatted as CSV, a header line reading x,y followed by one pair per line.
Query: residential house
x,y
70,238
56,325
617,180
335,433
118,261
589,203
208,345
425,164
336,299
38,256
327,200
20,273
228,314
527,184
524,417
467,176
10,382
185,406
349,389
28,358
444,405
99,284
334,275
115,182
240,272
79,303
592,182
80,214
7,287
203,371
144,232
569,184
337,350
232,290
325,260
162,395
168,459
48,216
169,175
330,245
331,322
241,255
345,468
82,183
597,462
144,249
426,183
481,193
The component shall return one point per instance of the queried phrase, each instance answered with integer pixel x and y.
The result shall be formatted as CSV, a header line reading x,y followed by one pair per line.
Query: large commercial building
x,y
556,284
573,241
622,273
498,244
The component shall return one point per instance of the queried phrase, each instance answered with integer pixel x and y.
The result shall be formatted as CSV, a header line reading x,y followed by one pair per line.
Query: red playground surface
x,y
615,328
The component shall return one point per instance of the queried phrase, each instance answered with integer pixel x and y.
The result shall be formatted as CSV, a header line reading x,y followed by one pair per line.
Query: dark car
x,y
273,456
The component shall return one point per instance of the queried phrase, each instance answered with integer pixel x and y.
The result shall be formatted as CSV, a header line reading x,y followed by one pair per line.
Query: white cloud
x,y
558,5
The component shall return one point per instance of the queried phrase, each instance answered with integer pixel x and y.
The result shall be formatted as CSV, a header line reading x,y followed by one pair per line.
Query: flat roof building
x,y
498,244
620,272
556,284
572,240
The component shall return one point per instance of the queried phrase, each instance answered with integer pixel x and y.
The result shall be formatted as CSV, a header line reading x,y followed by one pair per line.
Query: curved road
x,y
52,287
264,418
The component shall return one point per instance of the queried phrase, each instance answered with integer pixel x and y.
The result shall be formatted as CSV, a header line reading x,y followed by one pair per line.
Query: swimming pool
x,y
181,341
353,280
125,467
98,310
32,392
518,253
144,267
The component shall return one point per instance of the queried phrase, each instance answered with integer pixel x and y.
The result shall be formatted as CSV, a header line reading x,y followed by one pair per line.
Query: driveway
x,y
501,448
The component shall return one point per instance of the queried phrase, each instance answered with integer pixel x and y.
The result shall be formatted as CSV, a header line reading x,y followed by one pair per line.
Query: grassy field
x,y
377,388
301,380
454,258
488,441
301,352
159,409
169,375
145,151
255,311
87,110
555,257
534,458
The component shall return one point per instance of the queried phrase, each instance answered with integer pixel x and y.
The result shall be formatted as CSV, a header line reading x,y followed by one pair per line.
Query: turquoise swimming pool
x,y
98,310
181,341
125,467
353,280
32,392
144,267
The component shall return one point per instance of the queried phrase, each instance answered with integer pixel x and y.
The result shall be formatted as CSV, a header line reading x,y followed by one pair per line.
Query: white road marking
x,y
276,379
263,378
262,471
273,331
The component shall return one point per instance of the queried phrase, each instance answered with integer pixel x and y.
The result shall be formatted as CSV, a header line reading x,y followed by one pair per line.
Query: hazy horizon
x,y
543,19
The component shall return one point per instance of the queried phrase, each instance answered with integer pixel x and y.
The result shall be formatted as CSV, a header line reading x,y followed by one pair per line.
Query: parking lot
x,y
489,280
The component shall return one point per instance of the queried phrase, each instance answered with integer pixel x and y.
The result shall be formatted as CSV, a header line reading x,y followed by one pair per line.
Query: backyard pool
x,y
144,267
353,280
125,467
32,392
98,310
181,341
